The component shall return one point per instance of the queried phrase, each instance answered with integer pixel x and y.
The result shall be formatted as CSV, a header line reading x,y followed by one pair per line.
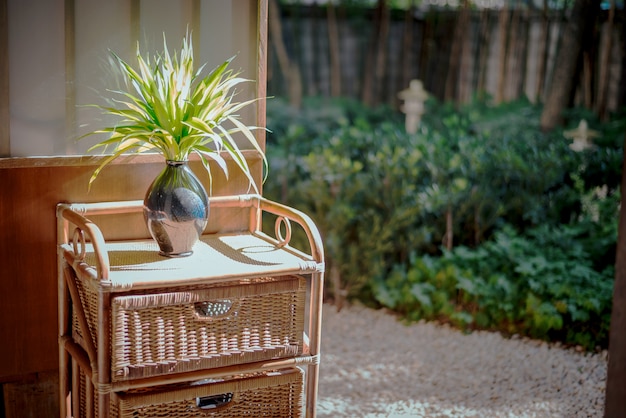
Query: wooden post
x,y
614,406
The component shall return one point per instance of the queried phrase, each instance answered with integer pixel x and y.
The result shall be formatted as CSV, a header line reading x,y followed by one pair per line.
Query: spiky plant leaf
x,y
170,108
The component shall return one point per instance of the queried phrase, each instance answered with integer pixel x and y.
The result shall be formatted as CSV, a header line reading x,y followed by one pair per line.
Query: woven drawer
x,y
268,394
274,394
190,329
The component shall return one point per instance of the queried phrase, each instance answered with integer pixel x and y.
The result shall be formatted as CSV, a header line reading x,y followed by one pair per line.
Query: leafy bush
x,y
360,185
542,284
531,227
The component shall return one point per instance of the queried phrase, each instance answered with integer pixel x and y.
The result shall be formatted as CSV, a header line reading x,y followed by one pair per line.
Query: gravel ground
x,y
373,365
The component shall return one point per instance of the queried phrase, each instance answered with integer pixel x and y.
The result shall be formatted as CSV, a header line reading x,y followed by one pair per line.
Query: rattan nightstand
x,y
219,332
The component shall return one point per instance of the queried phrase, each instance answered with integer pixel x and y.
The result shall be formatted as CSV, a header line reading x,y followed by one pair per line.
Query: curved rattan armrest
x,y
260,203
307,224
67,213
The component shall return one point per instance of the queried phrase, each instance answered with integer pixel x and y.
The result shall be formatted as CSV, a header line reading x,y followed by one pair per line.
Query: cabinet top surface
x,y
137,264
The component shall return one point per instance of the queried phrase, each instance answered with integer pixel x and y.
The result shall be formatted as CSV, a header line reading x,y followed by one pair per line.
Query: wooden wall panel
x,y
30,189
37,397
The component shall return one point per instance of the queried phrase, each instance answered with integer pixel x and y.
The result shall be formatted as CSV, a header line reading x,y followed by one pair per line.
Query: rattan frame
x,y
80,239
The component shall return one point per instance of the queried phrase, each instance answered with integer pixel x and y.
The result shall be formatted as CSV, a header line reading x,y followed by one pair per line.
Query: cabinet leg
x,y
65,407
312,376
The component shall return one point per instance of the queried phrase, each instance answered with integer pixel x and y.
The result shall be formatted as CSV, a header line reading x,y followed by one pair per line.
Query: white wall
x,y
51,84
36,76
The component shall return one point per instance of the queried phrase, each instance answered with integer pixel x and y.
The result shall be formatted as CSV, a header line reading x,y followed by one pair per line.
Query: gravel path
x,y
375,366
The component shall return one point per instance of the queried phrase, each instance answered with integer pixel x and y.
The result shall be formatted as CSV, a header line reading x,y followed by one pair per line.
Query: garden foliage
x,y
533,223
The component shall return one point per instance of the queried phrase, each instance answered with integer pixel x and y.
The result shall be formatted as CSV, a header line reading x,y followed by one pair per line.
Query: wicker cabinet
x,y
220,333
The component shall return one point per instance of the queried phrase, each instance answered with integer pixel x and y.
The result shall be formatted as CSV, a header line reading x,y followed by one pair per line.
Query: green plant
x,y
542,284
345,185
534,236
168,107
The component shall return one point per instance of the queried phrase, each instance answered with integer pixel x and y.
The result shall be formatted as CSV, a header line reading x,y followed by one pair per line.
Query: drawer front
x,y
206,327
275,394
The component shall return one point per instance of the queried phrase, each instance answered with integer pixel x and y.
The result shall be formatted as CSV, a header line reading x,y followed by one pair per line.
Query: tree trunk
x,y
407,47
449,237
483,51
477,218
369,71
381,51
524,52
616,376
512,58
621,97
426,56
587,80
289,69
466,76
544,45
503,23
315,70
605,64
559,97
456,51
333,43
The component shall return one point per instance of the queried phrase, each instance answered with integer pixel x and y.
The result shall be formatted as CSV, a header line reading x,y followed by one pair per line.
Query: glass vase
x,y
176,209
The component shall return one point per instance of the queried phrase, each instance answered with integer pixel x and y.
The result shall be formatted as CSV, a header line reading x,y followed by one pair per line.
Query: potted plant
x,y
168,107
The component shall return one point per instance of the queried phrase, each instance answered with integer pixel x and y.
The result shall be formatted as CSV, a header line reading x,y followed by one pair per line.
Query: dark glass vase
x,y
176,209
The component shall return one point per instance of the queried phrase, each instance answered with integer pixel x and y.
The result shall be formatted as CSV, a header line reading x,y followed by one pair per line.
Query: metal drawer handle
x,y
209,403
213,309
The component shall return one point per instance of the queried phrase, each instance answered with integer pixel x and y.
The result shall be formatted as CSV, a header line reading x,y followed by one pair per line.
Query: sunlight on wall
x,y
59,58
36,73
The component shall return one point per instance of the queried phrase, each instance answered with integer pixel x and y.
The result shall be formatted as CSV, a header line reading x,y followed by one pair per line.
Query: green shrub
x,y
542,284
360,184
534,228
